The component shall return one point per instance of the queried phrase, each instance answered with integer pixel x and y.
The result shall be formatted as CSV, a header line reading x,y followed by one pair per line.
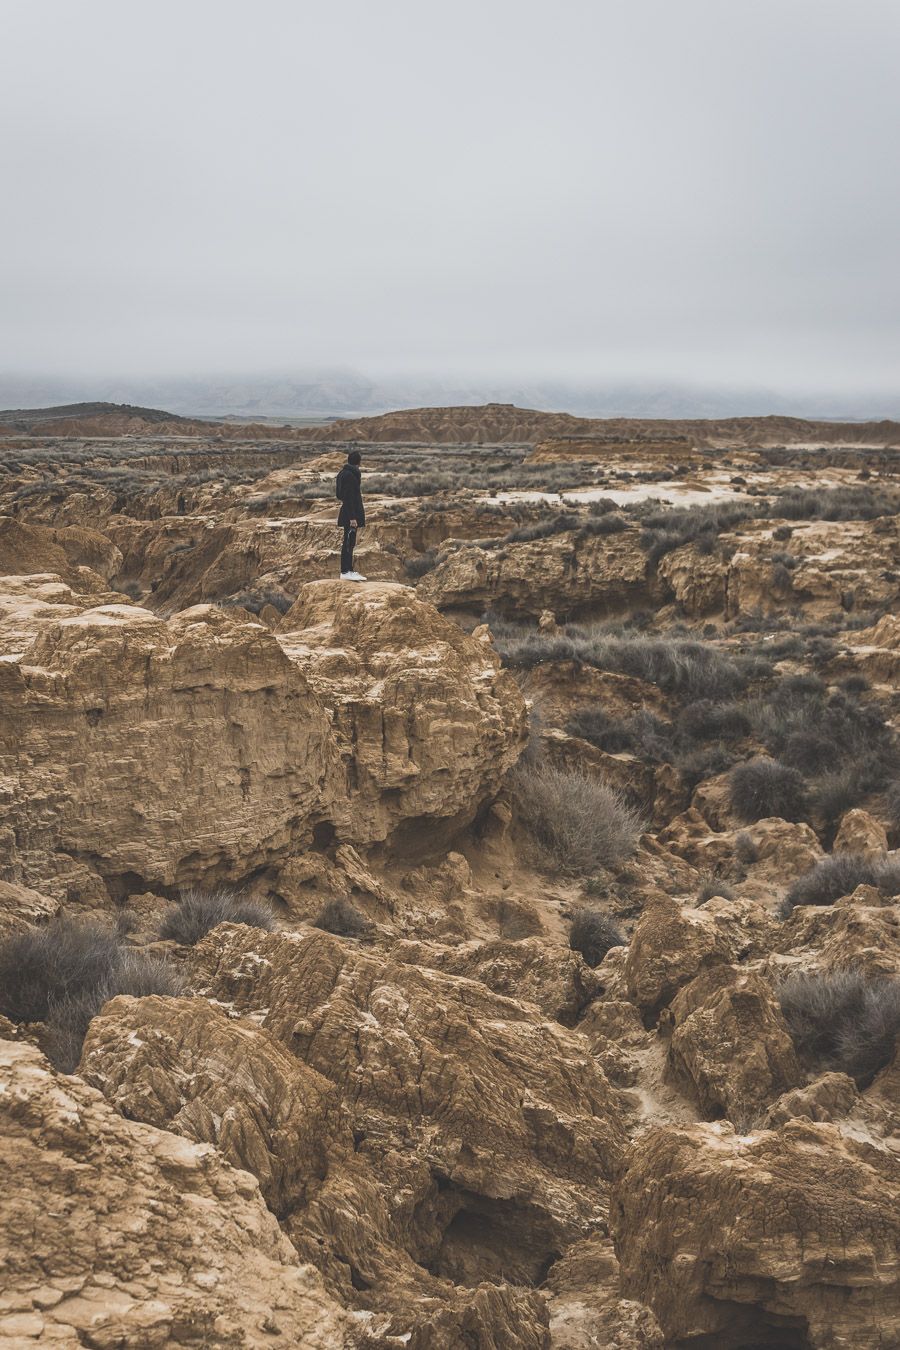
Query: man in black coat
x,y
352,515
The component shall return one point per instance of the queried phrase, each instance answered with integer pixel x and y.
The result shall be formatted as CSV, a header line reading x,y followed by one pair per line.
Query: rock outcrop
x,y
730,1045
117,1233
569,573
138,754
787,1237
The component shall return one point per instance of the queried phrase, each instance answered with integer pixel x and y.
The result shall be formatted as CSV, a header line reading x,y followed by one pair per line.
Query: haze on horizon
x,y
499,191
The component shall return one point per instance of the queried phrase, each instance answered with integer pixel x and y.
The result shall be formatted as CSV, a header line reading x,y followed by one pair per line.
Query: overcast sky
x,y
703,190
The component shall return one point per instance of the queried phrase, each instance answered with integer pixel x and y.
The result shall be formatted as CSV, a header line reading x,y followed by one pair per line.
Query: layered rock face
x,y
141,754
431,1146
787,1237
117,1233
568,574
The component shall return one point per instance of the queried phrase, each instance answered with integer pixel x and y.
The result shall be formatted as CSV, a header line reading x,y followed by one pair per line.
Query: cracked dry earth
x,y
436,1119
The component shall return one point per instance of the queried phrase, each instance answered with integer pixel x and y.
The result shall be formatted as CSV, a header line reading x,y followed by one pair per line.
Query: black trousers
x,y
347,549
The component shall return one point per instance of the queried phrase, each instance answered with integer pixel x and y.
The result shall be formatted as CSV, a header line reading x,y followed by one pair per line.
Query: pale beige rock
x,y
859,832
117,1233
242,744
181,1065
670,945
427,721
599,570
21,907
532,970
793,1232
830,1097
165,753
185,1064
698,581
876,650
586,1309
730,1046
507,1107
835,559
843,936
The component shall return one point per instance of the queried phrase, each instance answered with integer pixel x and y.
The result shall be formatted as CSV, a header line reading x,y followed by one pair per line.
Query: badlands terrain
x,y
501,953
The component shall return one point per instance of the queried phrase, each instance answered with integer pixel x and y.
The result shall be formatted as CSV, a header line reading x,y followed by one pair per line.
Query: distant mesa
x,y
561,434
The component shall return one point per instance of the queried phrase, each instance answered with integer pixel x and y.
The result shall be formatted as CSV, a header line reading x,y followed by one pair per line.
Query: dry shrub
x,y
764,787
64,973
844,1020
594,934
341,917
198,912
839,875
579,823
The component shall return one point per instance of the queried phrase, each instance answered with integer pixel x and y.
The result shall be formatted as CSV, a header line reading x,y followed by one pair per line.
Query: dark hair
x,y
353,457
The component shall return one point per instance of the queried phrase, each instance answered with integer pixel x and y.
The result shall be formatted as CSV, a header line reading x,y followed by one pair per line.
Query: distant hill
x,y
478,424
499,423
124,419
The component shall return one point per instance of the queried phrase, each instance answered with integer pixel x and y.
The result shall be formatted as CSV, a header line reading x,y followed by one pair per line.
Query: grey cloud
x,y
502,189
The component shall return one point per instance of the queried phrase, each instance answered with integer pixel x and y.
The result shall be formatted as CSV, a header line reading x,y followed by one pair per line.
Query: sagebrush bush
x,y
64,973
745,849
594,933
762,787
670,529
578,822
684,667
341,917
134,973
842,1020
421,563
841,503
41,967
712,887
892,804
198,912
839,875
708,721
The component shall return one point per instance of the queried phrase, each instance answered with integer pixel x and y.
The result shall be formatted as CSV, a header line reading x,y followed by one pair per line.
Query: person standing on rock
x,y
352,515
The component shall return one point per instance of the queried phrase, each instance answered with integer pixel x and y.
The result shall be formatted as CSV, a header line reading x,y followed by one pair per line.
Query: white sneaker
x,y
348,576
355,576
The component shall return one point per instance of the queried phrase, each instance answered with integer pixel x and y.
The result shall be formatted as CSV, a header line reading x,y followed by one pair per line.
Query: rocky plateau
x,y
502,953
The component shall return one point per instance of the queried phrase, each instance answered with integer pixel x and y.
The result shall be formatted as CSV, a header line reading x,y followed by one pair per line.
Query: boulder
x,y
507,1110
788,1237
563,573
672,944
182,1065
730,1046
859,832
426,720
22,908
138,755
118,1233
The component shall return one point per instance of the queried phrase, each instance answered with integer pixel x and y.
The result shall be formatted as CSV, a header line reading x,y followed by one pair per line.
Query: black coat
x,y
350,493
